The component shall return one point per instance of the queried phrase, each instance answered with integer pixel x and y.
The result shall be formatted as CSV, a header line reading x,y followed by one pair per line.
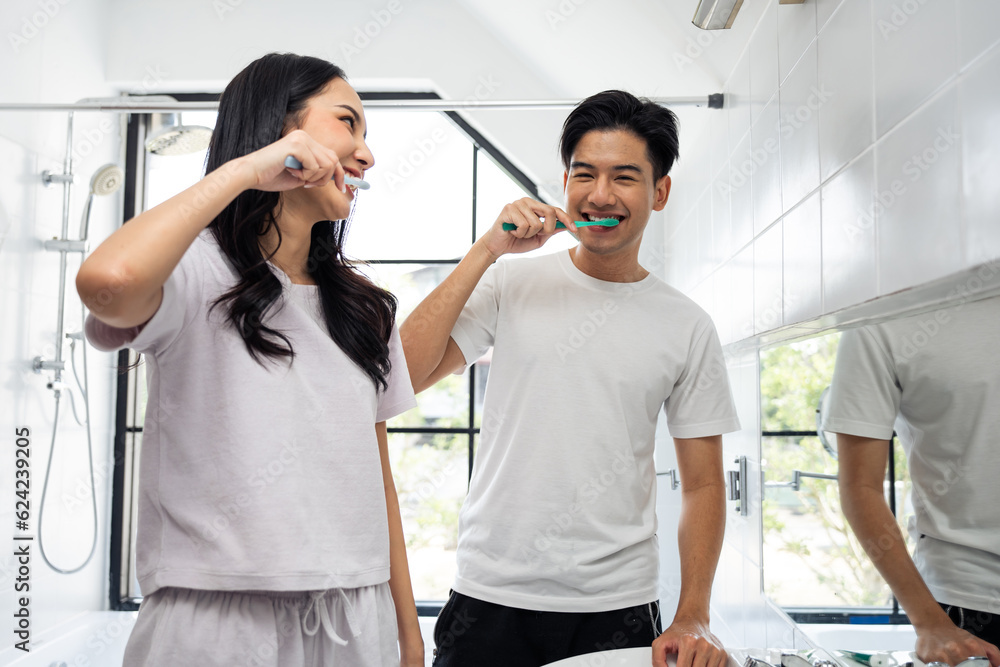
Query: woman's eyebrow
x,y
357,116
354,112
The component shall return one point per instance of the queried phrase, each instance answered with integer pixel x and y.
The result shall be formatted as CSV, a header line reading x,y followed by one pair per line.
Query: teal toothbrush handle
x,y
510,226
606,222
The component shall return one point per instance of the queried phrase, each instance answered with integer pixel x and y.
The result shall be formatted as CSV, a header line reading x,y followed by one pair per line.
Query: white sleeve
x,y
865,393
398,396
182,298
477,324
701,402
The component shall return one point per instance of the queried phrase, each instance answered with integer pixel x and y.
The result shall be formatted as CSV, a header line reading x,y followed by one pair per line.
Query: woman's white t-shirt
x,y
255,477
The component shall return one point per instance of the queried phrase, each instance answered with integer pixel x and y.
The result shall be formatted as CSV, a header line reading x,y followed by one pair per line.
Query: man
x,y
937,377
557,551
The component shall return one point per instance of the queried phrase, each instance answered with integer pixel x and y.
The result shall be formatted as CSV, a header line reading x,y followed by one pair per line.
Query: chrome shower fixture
x,y
716,14
50,179
172,137
105,181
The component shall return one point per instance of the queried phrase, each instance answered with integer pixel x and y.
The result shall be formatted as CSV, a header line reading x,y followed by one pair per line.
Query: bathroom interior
x,y
837,169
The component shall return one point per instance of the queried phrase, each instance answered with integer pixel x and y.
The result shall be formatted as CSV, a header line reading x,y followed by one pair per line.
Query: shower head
x,y
105,181
174,138
716,14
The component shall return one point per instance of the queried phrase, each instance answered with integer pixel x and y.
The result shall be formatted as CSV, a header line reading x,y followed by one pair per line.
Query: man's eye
x,y
349,120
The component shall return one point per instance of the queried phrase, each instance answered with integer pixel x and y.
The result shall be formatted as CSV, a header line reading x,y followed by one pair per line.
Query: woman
x,y
269,528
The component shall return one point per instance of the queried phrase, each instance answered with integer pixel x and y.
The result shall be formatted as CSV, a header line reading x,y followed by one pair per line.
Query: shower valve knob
x,y
50,178
38,365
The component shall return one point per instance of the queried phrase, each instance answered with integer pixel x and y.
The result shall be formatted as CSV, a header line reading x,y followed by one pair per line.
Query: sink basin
x,y
625,657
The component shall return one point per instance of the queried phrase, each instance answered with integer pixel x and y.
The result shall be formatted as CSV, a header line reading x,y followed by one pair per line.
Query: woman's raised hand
x,y
320,164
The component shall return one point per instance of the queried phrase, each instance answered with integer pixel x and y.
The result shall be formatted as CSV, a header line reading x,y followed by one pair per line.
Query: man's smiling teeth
x,y
588,217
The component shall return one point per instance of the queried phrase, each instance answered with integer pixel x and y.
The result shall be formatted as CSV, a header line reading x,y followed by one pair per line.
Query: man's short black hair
x,y
618,110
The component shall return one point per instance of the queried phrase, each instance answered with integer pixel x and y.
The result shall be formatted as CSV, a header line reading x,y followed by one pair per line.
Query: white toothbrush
x,y
292,163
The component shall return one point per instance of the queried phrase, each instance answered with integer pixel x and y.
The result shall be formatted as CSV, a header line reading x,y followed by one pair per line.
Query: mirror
x,y
811,558
938,367
826,437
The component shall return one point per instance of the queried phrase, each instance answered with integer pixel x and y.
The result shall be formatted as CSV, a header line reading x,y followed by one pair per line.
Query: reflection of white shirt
x,y
940,374
256,477
560,513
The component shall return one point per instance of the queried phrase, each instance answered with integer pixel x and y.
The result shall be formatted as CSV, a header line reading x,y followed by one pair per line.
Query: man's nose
x,y
602,194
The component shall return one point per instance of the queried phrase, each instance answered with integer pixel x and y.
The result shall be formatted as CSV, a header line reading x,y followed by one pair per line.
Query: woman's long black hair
x,y
257,106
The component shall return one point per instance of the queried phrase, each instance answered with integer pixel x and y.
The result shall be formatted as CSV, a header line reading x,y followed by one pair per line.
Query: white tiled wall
x,y
802,252
768,299
862,139
799,129
920,160
765,154
979,100
915,49
764,62
59,60
846,121
872,93
848,222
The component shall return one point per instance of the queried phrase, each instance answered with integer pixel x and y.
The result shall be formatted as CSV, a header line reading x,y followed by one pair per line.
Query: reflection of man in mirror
x,y
936,376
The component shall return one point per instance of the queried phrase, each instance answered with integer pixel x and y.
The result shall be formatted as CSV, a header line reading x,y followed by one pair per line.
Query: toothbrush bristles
x,y
293,163
357,182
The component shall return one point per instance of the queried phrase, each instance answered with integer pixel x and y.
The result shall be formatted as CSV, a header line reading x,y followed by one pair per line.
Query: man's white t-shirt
x,y
937,377
560,514
255,477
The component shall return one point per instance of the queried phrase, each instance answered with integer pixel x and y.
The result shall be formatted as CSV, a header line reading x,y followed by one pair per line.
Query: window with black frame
x,y
436,186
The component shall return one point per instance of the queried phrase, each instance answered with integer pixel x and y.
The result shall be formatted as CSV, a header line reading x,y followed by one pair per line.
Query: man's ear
x,y
662,193
565,178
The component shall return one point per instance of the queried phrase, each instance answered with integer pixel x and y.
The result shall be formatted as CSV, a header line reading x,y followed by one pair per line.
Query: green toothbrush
x,y
605,222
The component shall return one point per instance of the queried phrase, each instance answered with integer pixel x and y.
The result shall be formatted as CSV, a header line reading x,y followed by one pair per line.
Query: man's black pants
x,y
982,624
474,633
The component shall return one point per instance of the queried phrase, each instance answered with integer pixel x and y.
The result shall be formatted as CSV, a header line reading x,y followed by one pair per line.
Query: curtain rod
x,y
133,105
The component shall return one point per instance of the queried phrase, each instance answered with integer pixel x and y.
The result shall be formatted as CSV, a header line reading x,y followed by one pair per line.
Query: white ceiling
x,y
583,46
579,47
529,49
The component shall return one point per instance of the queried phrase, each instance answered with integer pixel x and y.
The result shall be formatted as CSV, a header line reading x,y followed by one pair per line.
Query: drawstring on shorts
x,y
318,609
